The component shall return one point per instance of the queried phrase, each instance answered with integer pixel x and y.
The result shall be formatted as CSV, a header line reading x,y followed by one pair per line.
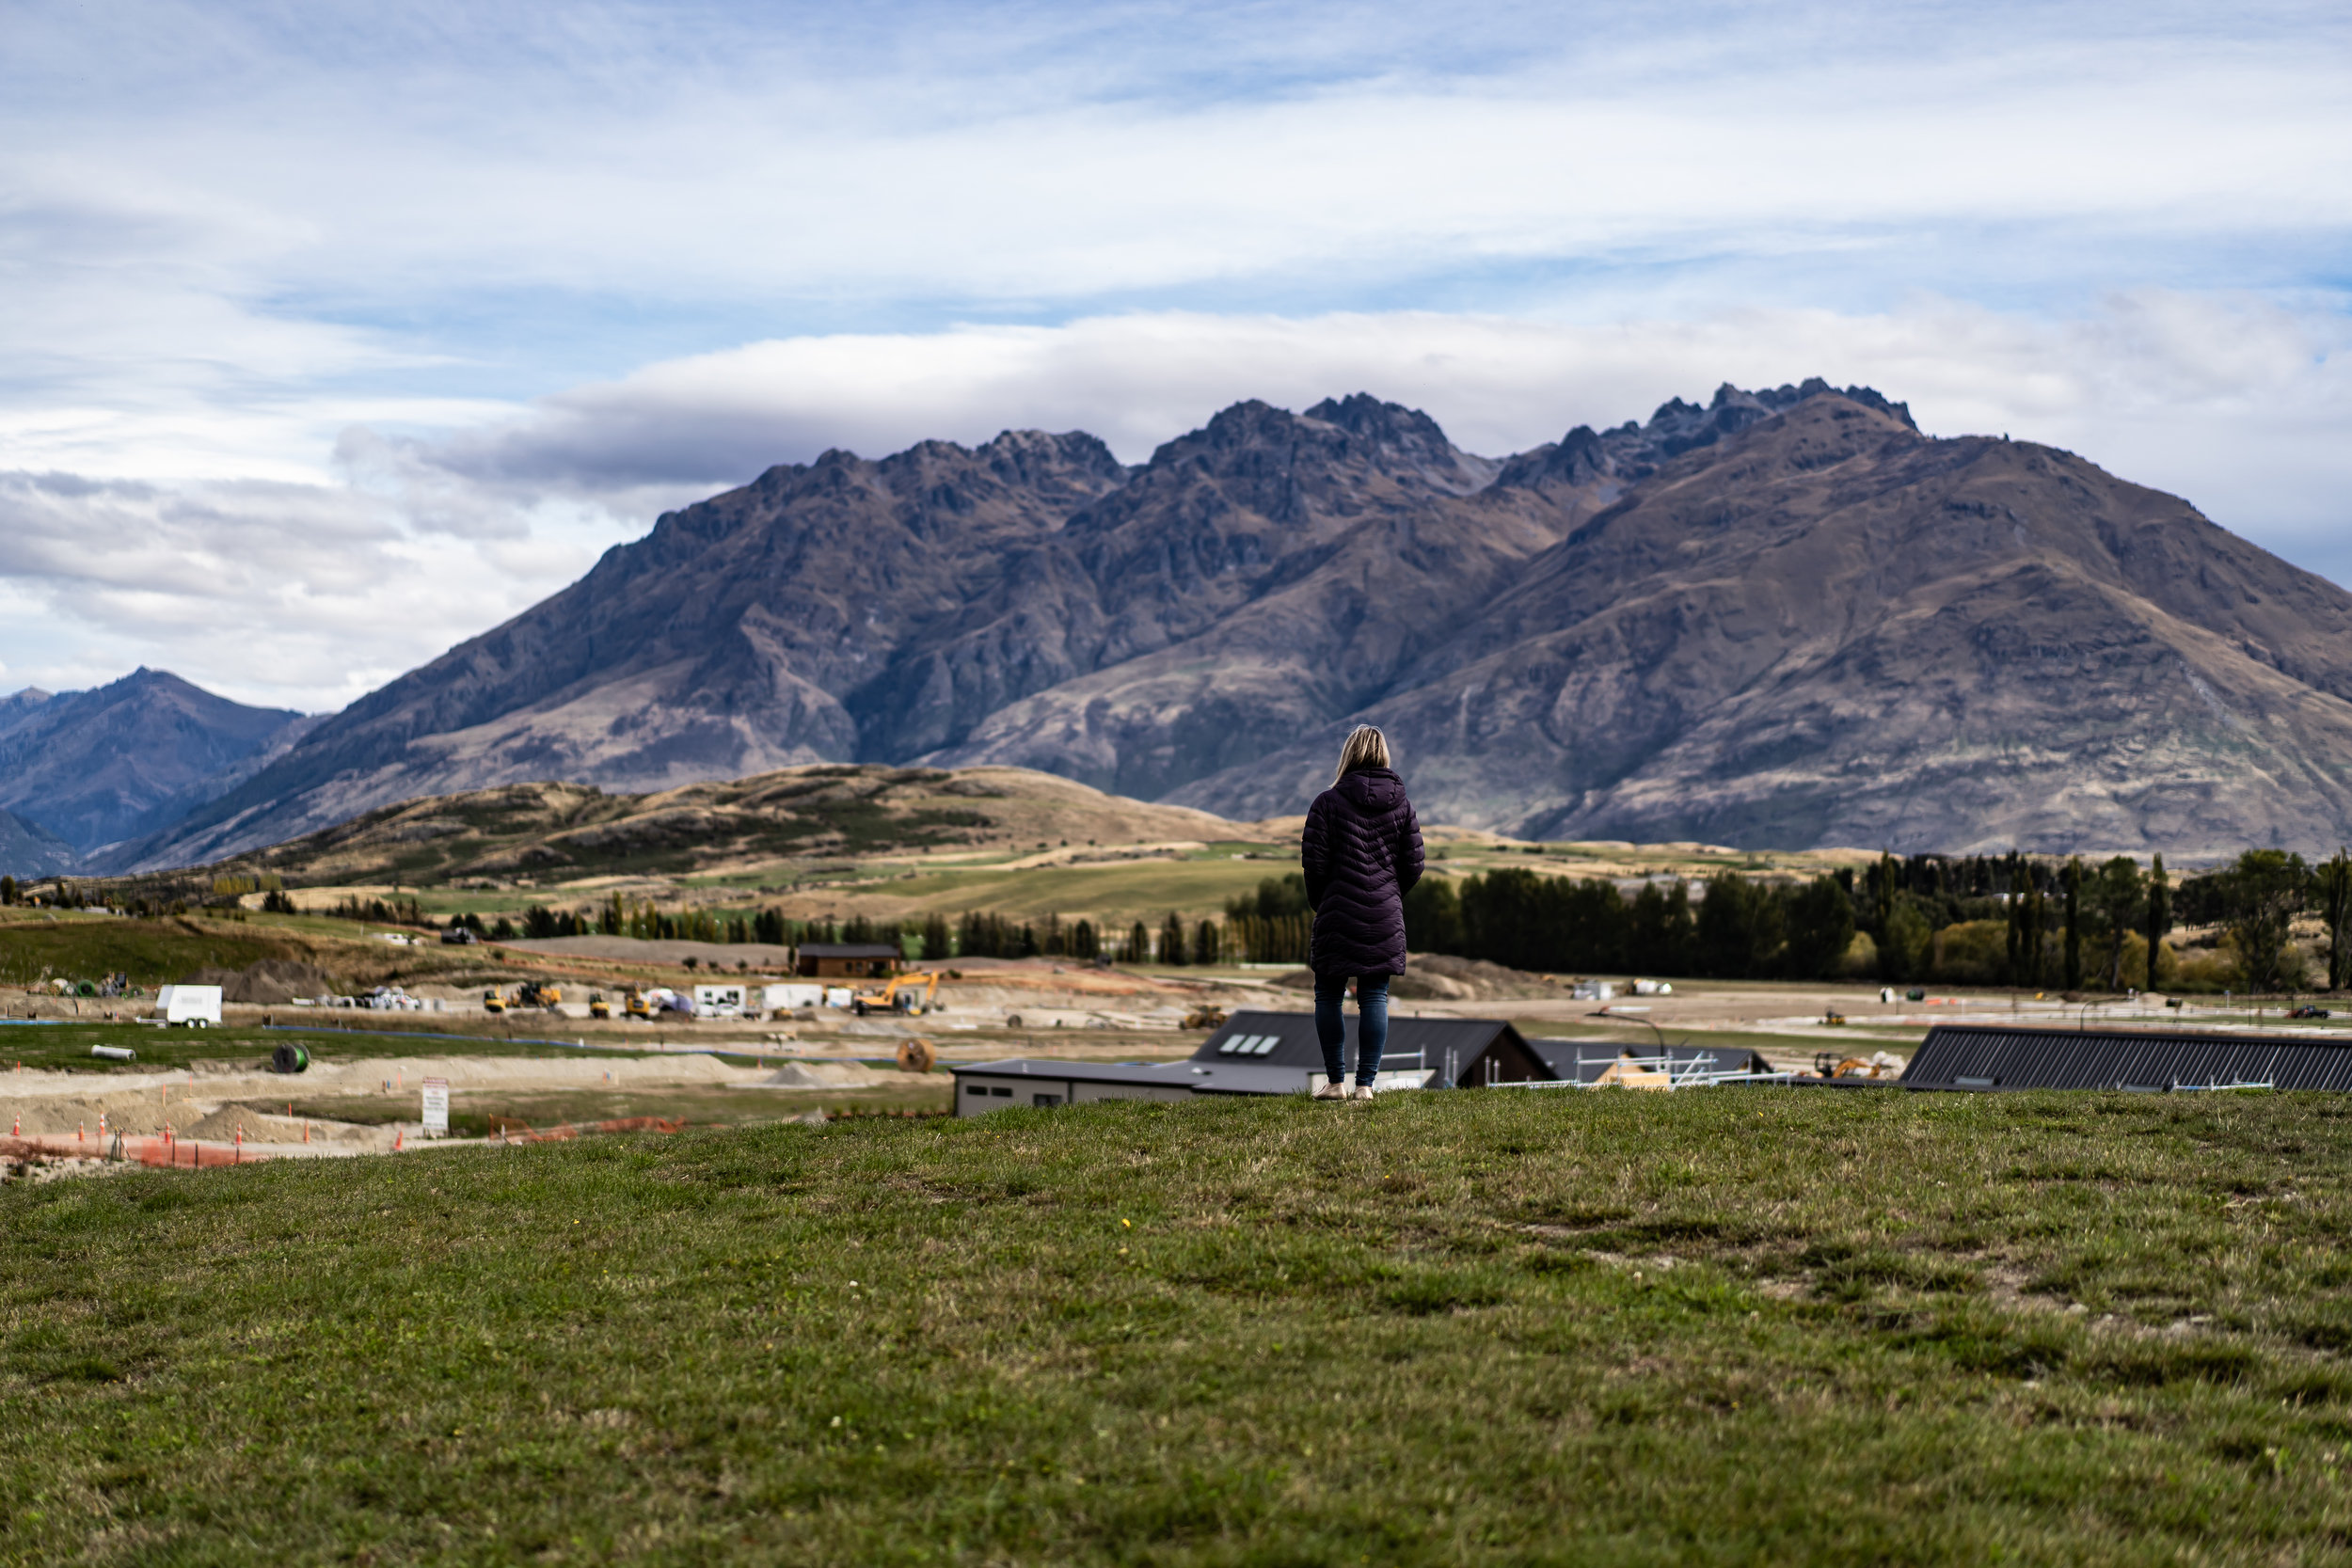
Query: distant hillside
x,y
552,832
1784,619
27,849
92,767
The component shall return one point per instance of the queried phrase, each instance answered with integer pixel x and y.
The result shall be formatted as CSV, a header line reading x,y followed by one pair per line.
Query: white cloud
x,y
2265,391
333,338
300,595
310,594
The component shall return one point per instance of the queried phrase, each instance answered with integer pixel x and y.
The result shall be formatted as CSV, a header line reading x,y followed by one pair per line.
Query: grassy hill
x,y
565,833
836,842
71,945
1726,1326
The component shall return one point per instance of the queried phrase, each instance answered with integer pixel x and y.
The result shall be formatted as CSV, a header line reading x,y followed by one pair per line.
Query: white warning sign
x,y
437,1107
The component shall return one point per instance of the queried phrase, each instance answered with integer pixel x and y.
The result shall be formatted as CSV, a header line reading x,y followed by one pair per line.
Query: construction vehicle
x,y
530,993
1204,1018
915,991
633,1004
1879,1064
597,1005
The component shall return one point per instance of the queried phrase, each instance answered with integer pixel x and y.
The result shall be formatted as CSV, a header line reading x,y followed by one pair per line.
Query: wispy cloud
x,y
442,298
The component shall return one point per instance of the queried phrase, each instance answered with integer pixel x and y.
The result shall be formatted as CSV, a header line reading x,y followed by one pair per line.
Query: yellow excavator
x,y
915,991
597,1005
492,1001
633,1004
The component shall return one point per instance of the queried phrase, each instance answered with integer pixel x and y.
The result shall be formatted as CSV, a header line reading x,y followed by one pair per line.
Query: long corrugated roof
x,y
1288,1040
1979,1056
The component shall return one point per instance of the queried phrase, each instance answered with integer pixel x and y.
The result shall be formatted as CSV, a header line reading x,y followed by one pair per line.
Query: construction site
x,y
639,1036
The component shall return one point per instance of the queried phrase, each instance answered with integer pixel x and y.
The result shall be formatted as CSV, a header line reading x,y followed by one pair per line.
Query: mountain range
x,y
1782,619
86,771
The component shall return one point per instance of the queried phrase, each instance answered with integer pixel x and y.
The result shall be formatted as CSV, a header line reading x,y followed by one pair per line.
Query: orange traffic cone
x,y
396,1138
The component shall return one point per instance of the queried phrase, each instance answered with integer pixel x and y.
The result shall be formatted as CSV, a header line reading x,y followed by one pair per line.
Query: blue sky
x,y
339,333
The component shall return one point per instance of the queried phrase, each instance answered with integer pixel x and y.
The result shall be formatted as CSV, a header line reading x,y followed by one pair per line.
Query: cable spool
x,y
290,1057
916,1055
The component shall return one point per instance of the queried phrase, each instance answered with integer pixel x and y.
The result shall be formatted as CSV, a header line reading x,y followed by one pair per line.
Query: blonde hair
x,y
1366,747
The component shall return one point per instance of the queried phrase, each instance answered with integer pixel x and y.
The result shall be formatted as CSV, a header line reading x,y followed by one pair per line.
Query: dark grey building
x,y
1263,1053
1983,1057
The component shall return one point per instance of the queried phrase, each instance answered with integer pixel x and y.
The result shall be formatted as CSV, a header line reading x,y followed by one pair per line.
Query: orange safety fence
x,y
520,1132
186,1153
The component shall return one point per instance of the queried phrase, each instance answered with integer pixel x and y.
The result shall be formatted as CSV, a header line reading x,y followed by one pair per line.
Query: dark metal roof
x,y
1170,1073
1265,1052
847,950
1978,1056
1288,1040
1582,1061
1223,1078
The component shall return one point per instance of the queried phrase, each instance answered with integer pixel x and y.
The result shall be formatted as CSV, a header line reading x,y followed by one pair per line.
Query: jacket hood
x,y
1372,789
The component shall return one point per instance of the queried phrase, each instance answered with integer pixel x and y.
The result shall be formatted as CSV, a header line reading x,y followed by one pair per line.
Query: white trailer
x,y
197,1007
784,999
719,1001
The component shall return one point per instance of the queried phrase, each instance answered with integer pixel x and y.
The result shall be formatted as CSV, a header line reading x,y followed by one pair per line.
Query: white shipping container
x,y
717,1001
783,999
195,1006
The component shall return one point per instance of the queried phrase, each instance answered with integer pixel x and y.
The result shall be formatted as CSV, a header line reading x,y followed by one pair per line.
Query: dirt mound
x,y
272,1127
270,983
274,982
1437,977
828,1075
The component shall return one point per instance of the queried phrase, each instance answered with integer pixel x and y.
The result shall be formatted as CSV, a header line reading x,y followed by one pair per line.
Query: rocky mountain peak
x,y
94,766
1633,451
1782,616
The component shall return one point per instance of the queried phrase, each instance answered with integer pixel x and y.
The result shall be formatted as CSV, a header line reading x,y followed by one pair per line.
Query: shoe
x,y
1361,1091
1329,1090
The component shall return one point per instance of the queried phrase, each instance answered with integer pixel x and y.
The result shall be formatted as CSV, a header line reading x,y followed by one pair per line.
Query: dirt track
x,y
215,1104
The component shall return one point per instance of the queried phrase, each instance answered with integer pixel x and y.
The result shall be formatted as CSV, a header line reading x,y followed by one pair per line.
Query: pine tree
x,y
2159,918
2073,923
1172,939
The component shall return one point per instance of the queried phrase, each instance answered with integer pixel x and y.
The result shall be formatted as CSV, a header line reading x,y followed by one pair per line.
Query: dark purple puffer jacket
x,y
1362,854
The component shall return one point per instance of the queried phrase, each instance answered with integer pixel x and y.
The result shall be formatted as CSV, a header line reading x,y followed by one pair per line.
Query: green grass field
x,y
480,1112
151,952
66,1047
1725,1326
1120,890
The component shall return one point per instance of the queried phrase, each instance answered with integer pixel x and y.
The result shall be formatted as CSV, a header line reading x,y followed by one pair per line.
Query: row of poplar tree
x,y
2040,921
2061,922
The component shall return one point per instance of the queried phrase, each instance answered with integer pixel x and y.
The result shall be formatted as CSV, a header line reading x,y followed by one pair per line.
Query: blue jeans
x,y
1372,1023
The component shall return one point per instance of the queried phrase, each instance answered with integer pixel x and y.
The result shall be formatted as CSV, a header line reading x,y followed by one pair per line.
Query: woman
x,y
1362,854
